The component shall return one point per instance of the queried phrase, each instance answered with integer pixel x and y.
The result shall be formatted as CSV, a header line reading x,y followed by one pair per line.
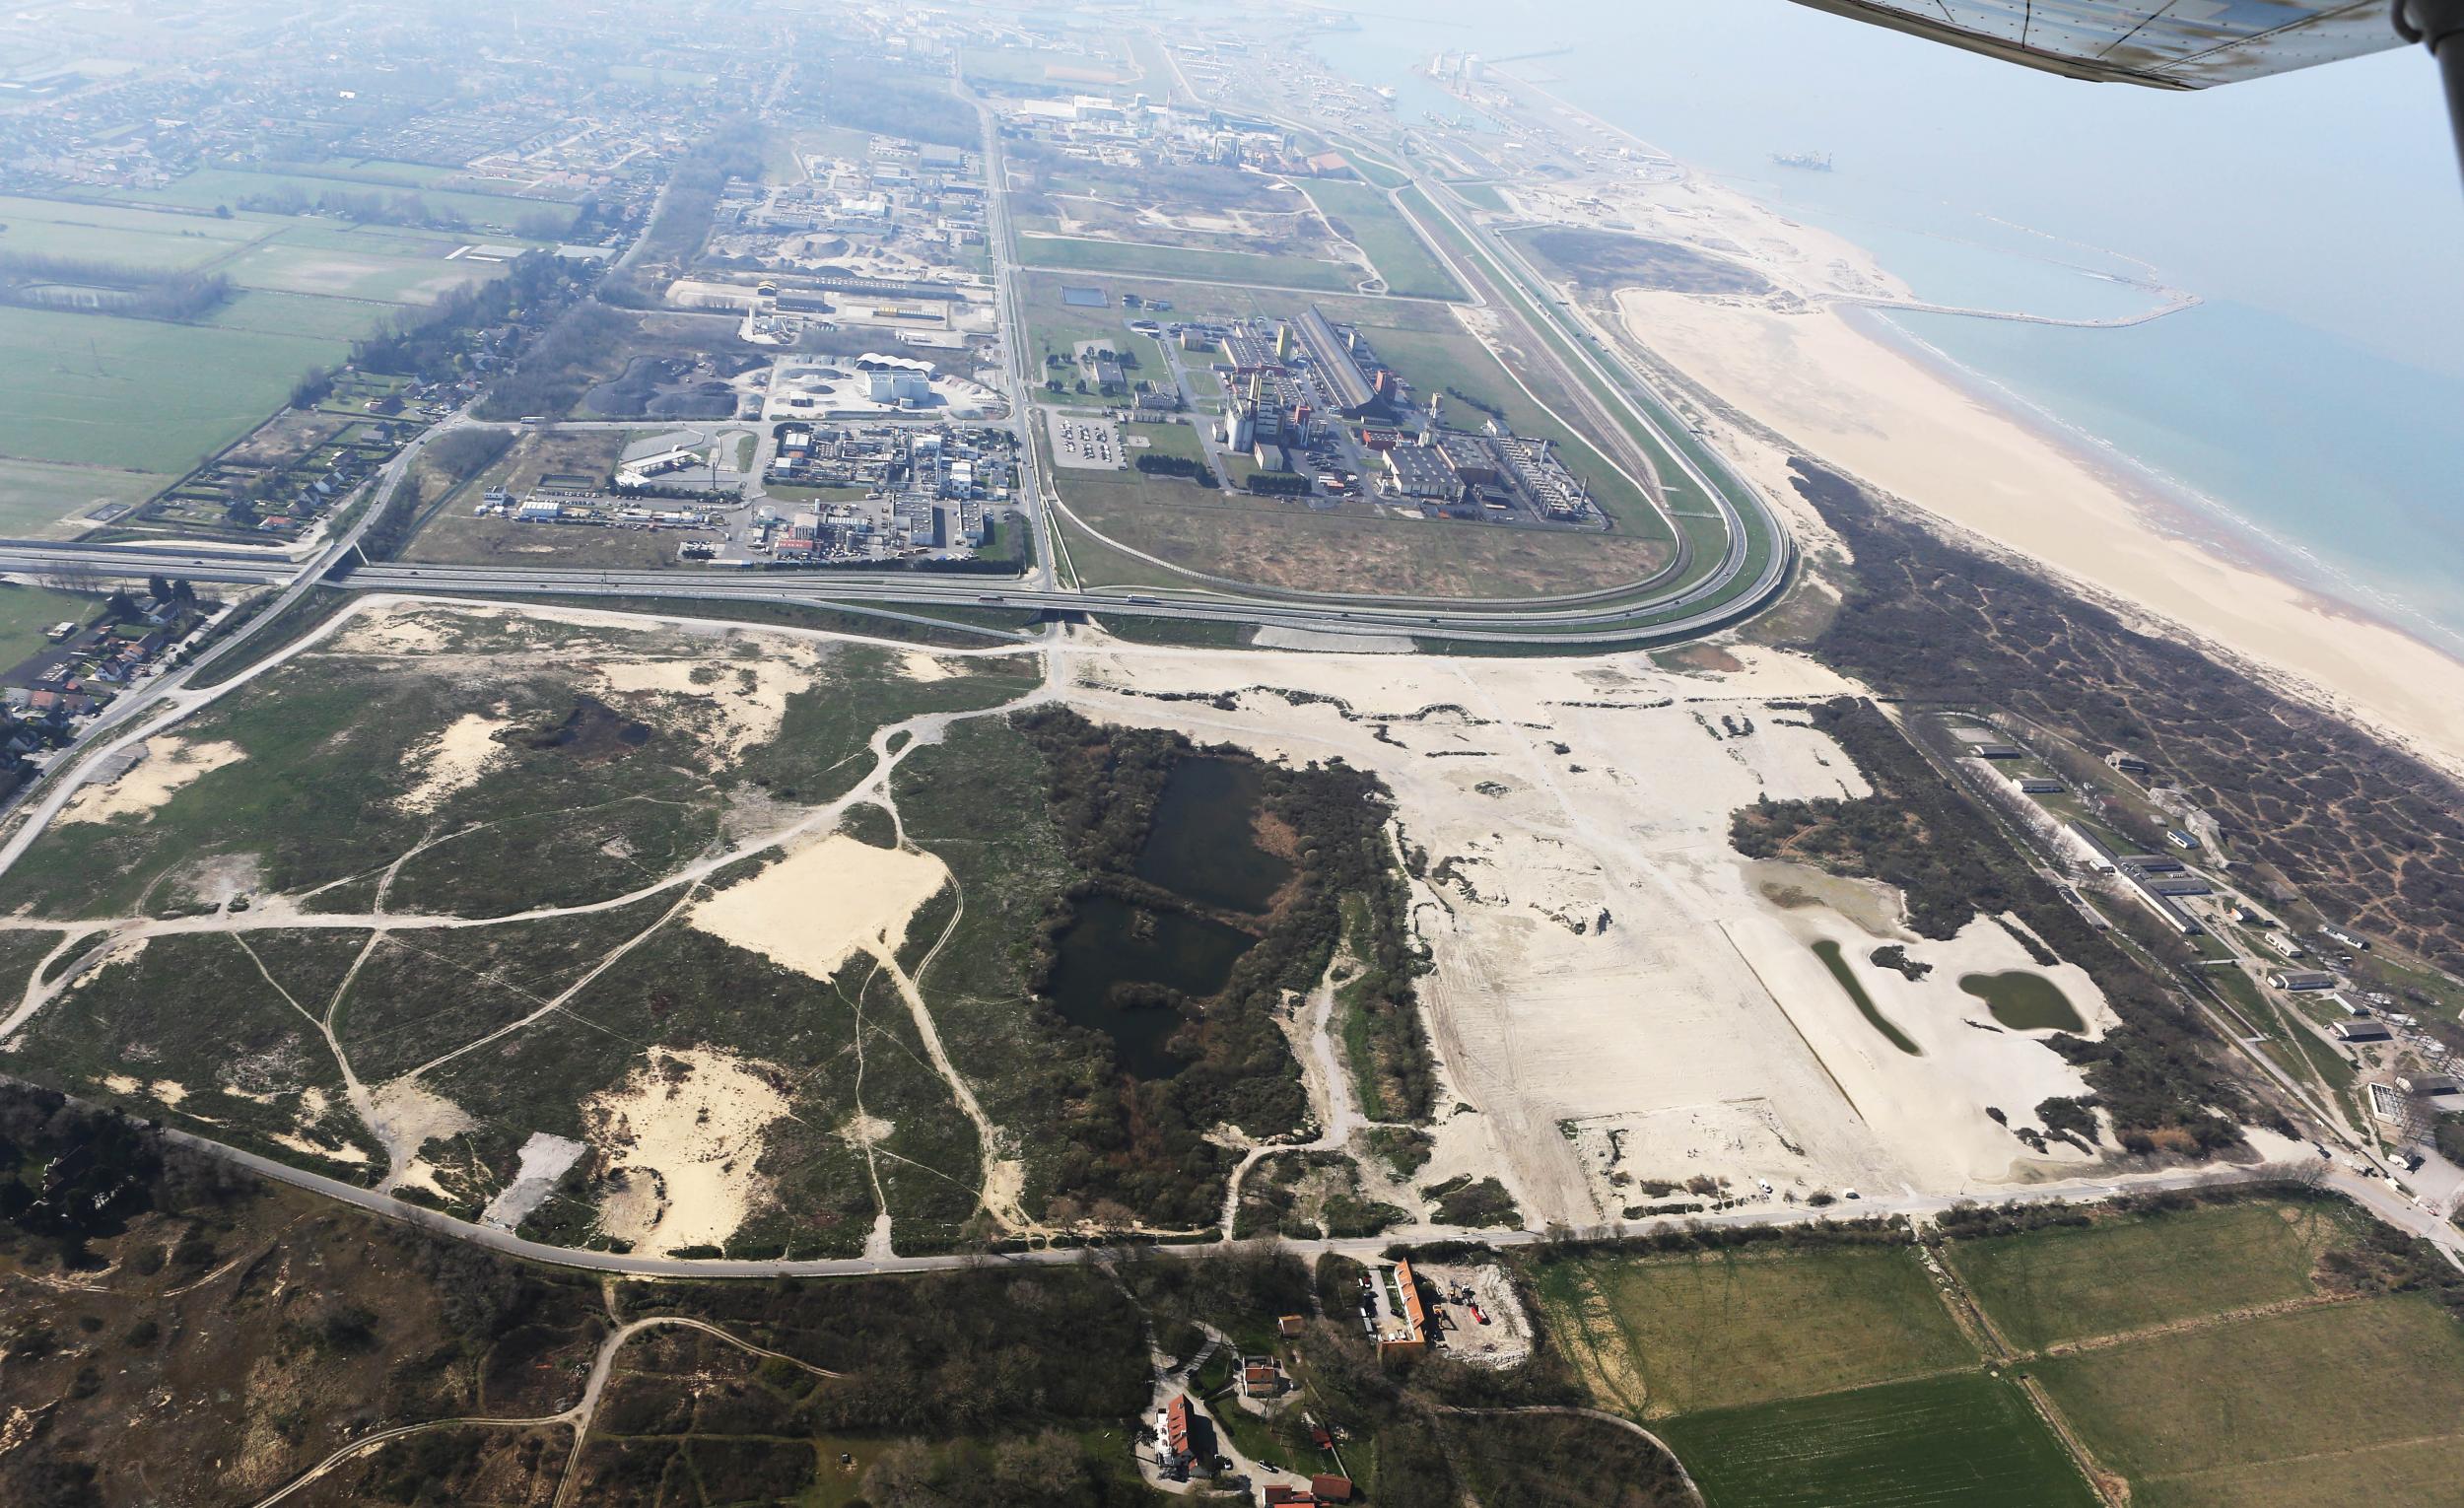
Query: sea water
x,y
2309,408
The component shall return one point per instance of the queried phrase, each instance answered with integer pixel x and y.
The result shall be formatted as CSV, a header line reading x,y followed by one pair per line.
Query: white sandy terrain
x,y
1889,418
697,1118
825,902
170,764
407,1116
1929,1108
544,1159
454,759
1569,791
920,666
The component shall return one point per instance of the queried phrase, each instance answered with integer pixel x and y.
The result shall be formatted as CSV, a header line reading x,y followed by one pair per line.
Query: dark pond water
x,y
2025,1001
1829,952
1201,844
1113,942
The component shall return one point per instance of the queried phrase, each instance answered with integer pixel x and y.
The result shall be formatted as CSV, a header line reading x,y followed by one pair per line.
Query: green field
x,y
140,395
1179,440
1965,1439
1657,1335
372,169
37,498
132,238
1371,222
210,188
25,611
2269,1410
271,313
1168,262
2044,1287
287,265
1001,65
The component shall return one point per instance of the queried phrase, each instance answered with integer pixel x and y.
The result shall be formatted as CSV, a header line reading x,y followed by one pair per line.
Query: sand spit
x,y
823,903
170,766
452,761
689,1124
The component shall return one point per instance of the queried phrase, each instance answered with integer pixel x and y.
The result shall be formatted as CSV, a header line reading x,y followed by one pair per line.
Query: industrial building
x,y
1421,472
899,379
1332,363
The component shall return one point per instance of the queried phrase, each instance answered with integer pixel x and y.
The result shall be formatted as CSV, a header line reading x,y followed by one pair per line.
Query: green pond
x,y
1201,842
1113,942
1830,953
2025,1001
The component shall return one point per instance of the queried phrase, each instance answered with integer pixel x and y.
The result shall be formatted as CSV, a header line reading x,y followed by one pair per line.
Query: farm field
x,y
1960,1439
352,272
208,188
1175,263
2046,1287
129,236
141,394
39,498
267,311
1657,1335
2255,1410
1370,221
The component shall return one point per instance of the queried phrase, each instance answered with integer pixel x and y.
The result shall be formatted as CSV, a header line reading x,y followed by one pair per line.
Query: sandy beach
x,y
1796,360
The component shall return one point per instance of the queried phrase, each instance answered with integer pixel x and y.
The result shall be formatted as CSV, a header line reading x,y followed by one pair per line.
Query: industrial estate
x,y
981,756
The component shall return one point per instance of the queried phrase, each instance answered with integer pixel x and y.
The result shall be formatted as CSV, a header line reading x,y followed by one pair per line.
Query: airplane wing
x,y
2162,44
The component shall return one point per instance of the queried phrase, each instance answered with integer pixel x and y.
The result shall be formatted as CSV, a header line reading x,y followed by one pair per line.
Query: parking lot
x,y
1085,442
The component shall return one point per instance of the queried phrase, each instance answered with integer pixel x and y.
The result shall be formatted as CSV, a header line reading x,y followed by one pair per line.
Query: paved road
x,y
60,782
2371,1194
1701,609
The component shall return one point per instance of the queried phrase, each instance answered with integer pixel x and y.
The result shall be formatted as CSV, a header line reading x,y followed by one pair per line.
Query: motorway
x,y
1702,608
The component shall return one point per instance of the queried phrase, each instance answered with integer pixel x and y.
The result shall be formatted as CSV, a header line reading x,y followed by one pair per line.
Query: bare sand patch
x,y
864,1131
1599,948
696,1118
452,761
407,1116
170,764
920,666
344,1153
749,694
544,1159
397,629
1931,1106
823,902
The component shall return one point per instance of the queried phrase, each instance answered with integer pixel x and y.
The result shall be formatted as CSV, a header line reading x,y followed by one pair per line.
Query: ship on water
x,y
1808,162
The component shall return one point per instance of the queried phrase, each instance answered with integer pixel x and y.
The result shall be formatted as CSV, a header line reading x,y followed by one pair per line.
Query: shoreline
x,y
1911,422
2174,507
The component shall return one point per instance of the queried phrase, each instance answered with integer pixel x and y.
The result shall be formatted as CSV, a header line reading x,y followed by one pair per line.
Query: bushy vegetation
x,y
86,286
1144,1145
432,342
1171,465
1933,621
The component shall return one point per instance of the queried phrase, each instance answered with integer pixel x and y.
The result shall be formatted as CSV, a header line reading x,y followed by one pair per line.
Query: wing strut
x,y
2438,24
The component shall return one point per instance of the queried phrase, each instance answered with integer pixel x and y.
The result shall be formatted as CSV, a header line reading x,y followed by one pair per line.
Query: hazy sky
x,y
2330,196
